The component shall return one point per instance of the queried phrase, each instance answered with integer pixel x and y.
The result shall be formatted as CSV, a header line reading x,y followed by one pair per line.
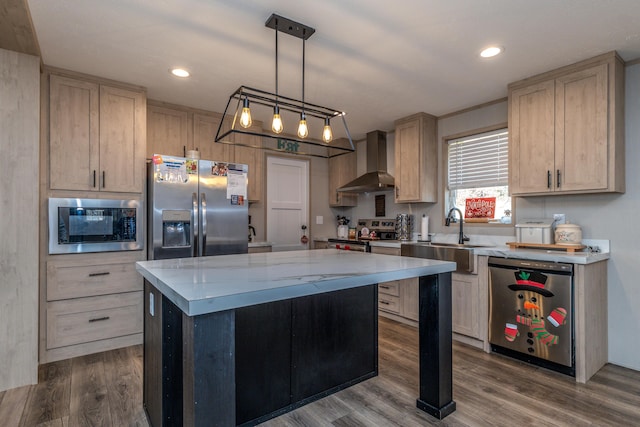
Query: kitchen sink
x,y
461,254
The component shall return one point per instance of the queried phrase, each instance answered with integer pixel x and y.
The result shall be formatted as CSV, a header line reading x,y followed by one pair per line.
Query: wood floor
x,y
105,389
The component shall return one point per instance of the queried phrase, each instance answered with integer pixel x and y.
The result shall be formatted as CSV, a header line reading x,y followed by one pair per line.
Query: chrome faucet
x,y
461,237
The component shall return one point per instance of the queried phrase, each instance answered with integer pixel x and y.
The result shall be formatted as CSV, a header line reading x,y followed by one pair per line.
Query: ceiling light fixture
x,y
491,51
179,72
317,146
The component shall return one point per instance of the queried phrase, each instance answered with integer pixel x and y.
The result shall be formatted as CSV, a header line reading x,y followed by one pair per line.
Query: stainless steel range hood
x,y
376,178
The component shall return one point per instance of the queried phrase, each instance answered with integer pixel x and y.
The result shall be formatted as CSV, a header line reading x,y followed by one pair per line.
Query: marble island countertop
x,y
217,283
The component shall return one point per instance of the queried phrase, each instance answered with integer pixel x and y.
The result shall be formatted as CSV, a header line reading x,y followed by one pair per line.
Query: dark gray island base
x,y
245,365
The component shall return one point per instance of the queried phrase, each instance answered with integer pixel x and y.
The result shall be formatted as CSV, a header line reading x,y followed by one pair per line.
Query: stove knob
x,y
347,247
337,246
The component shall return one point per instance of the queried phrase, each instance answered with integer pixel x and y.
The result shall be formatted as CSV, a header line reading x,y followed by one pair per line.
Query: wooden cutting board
x,y
568,248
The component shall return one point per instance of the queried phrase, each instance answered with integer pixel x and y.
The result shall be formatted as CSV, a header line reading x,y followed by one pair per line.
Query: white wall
x,y
19,164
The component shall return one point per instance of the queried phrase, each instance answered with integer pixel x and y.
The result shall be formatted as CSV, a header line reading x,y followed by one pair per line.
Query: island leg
x,y
209,369
436,375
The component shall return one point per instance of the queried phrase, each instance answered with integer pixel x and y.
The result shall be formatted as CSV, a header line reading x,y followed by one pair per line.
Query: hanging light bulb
x,y
276,124
327,133
245,117
303,130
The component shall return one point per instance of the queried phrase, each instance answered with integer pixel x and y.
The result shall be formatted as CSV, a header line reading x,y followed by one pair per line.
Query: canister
x,y
535,231
568,234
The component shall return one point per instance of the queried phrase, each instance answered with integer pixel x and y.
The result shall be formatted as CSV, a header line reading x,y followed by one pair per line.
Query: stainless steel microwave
x,y
94,225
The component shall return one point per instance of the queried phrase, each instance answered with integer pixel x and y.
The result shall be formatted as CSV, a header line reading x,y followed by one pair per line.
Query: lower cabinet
x,y
259,249
92,303
470,306
464,304
397,299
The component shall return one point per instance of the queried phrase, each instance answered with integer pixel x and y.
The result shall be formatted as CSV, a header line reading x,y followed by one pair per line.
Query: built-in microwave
x,y
94,225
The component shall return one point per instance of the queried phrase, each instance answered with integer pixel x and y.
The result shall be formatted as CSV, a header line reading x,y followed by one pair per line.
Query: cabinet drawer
x,y
65,280
389,303
389,288
88,319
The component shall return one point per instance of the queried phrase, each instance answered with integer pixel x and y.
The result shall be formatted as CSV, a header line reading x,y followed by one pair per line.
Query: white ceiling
x,y
376,60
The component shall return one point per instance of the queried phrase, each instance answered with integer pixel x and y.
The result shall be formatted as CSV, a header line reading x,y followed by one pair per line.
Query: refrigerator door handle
x,y
194,224
203,212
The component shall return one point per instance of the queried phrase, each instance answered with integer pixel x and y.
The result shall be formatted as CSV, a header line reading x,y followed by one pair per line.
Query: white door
x,y
287,202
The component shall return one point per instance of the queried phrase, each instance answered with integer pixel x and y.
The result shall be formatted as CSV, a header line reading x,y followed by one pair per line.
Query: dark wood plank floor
x,y
105,389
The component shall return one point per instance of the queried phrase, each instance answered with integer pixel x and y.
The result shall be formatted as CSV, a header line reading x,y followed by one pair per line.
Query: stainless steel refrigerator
x,y
196,208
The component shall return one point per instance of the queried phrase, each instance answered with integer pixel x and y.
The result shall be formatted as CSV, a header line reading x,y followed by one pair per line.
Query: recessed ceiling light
x,y
491,51
179,72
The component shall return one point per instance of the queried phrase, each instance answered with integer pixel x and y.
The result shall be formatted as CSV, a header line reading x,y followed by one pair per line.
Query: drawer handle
x,y
384,287
99,319
105,273
384,302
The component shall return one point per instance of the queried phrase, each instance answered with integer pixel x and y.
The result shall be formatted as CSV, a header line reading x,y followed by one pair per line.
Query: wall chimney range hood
x,y
376,178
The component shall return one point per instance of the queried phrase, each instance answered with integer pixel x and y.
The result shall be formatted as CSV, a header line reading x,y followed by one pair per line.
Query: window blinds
x,y
480,160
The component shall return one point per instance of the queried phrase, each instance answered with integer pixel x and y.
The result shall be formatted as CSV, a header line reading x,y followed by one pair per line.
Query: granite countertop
x,y
209,284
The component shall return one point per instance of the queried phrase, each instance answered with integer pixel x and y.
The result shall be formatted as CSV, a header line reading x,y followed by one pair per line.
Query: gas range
x,y
366,231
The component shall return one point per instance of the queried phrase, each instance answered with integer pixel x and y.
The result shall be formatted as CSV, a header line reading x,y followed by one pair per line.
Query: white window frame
x,y
500,161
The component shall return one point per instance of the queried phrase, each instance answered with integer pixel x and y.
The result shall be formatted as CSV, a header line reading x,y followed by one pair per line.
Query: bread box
x,y
535,231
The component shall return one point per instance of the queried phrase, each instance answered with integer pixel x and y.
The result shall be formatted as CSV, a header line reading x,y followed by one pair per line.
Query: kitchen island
x,y
238,339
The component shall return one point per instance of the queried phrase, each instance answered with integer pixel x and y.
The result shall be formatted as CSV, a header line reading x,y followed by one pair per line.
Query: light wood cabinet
x,y
566,130
398,299
464,304
205,127
81,320
97,136
90,303
254,158
342,169
416,159
167,131
174,130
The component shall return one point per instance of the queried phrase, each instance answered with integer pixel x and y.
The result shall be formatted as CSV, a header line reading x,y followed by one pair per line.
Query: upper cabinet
x,y
566,130
97,136
342,169
416,159
205,127
252,155
167,131
174,130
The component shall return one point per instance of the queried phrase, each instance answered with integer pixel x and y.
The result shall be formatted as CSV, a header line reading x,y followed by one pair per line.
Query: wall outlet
x,y
319,220
559,218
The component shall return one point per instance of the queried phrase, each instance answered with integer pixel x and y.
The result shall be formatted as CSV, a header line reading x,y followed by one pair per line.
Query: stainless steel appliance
x,y
94,225
366,231
531,312
196,208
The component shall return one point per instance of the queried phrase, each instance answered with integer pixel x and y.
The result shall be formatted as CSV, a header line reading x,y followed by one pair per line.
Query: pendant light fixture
x,y
327,133
274,138
276,123
245,117
303,130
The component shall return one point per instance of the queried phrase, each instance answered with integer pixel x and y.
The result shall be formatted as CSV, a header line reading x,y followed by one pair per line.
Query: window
x,y
478,172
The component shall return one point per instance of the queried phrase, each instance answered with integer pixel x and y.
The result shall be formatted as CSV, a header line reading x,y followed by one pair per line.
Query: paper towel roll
x,y
424,227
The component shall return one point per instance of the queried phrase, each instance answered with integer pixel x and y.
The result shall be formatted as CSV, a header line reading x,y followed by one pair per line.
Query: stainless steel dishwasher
x,y
531,312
